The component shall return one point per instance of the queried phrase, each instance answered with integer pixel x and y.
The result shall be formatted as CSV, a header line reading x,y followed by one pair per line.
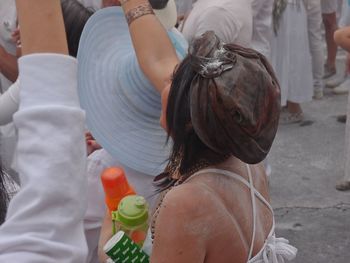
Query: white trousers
x,y
314,24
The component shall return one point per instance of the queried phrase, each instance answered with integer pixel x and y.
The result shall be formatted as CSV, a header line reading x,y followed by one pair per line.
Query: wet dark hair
x,y
4,197
75,16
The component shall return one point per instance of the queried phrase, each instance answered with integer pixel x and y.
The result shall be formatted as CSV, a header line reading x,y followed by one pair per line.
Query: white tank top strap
x,y
254,193
236,177
252,188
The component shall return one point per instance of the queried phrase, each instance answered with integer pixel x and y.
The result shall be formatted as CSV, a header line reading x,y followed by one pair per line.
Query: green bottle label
x,y
120,248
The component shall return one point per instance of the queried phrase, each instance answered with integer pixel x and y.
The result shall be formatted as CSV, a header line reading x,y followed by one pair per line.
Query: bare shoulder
x,y
195,216
183,226
193,197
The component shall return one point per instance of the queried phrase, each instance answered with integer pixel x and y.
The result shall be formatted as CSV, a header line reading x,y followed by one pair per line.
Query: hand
x,y
16,37
91,143
107,3
105,235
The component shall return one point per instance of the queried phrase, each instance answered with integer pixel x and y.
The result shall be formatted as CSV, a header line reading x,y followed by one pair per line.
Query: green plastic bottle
x,y
132,217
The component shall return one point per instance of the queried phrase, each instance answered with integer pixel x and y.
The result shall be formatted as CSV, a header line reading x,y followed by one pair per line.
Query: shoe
x,y
318,94
343,186
329,71
290,118
343,88
341,118
335,81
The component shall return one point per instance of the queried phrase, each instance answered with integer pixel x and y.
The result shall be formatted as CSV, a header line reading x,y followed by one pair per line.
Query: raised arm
x,y
155,53
42,29
44,220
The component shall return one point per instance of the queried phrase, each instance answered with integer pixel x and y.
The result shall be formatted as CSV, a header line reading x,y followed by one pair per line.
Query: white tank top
x,y
274,250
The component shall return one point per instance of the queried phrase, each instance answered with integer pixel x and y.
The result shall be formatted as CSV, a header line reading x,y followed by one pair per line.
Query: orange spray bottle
x,y
116,187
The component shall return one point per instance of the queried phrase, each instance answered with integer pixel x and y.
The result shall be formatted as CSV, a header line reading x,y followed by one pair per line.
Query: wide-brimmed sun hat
x,y
122,107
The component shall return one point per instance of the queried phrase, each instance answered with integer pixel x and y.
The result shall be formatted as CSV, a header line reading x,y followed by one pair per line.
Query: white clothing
x,y
8,18
184,6
290,59
262,26
314,25
95,4
98,161
232,21
275,250
329,6
9,103
44,222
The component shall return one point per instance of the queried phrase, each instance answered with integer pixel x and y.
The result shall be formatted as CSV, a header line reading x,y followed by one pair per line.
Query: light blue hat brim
x,y
122,107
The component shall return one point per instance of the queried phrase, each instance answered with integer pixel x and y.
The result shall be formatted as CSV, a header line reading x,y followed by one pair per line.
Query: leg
x,y
294,108
330,24
314,22
292,114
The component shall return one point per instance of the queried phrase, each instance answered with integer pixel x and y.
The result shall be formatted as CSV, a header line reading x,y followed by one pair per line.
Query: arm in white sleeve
x,y
45,219
9,102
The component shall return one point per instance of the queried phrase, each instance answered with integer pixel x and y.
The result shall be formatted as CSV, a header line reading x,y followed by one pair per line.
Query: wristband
x,y
139,11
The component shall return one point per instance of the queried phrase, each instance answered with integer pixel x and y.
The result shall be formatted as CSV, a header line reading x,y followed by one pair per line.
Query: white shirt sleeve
x,y
221,21
9,102
45,219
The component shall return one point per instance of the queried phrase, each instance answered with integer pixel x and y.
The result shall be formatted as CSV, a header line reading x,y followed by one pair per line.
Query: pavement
x,y
307,160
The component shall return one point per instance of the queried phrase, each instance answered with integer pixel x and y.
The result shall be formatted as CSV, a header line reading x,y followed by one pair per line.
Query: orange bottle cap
x,y
116,186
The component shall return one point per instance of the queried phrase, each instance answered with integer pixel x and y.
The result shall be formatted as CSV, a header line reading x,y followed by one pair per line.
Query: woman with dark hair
x,y
220,107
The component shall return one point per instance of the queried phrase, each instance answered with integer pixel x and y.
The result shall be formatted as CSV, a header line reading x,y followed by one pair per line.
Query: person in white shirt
x,y
232,21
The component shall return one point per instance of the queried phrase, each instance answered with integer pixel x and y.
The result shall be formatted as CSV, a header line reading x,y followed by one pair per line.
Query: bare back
x,y
221,214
